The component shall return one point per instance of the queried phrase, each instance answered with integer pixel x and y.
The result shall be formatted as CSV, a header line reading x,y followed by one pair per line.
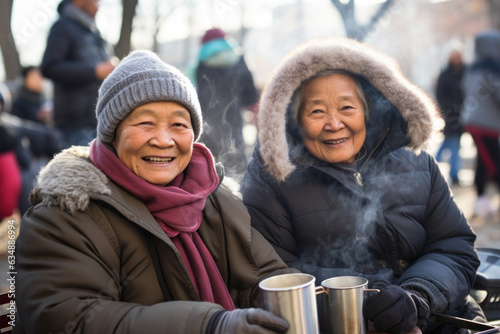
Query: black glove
x,y
395,310
248,321
379,284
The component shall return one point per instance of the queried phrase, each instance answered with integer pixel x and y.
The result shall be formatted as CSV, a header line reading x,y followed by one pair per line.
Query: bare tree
x,y
160,18
348,12
162,15
122,47
188,50
7,44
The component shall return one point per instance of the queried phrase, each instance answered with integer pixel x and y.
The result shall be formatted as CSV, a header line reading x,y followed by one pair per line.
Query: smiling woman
x,y
155,141
332,116
136,233
339,193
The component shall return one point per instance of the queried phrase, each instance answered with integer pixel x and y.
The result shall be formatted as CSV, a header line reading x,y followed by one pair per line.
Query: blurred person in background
x,y
136,233
35,142
450,99
226,88
76,59
10,172
481,115
31,102
340,185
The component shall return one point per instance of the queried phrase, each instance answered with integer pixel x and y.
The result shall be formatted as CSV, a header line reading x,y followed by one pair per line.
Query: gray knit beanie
x,y
140,78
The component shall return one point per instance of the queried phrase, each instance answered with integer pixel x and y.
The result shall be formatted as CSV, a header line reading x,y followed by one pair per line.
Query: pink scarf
x,y
178,209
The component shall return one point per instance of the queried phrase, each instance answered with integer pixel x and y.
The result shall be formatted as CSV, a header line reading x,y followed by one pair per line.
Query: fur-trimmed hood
x,y
417,110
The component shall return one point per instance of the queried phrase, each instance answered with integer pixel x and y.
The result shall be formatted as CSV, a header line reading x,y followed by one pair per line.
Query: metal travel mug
x,y
292,297
343,304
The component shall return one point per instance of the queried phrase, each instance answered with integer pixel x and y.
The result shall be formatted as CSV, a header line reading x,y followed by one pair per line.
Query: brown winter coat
x,y
84,266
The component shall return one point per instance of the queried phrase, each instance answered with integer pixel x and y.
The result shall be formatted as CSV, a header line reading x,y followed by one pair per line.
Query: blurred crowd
x,y
42,120
469,99
51,105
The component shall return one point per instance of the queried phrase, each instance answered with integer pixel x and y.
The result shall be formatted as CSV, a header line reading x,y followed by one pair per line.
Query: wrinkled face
x,y
332,117
155,141
88,6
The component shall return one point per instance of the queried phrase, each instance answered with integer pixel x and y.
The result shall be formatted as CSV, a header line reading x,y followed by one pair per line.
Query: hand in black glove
x,y
395,310
248,321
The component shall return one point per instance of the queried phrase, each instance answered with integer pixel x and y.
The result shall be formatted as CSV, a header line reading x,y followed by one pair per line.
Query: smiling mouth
x,y
340,141
158,160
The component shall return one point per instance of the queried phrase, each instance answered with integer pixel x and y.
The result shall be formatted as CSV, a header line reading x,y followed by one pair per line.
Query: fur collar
x,y
416,108
69,180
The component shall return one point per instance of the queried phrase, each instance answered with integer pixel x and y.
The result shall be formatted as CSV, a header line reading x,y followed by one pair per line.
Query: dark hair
x,y
26,69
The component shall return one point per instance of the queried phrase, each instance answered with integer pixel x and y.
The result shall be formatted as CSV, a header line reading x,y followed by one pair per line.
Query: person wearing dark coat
x,y
450,99
137,233
340,184
31,103
481,116
10,173
226,88
76,59
35,144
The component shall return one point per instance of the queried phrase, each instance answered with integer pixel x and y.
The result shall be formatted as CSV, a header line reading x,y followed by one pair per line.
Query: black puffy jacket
x,y
390,215
73,50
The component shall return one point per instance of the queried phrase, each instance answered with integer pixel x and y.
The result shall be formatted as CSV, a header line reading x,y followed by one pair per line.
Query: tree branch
x,y
348,13
364,31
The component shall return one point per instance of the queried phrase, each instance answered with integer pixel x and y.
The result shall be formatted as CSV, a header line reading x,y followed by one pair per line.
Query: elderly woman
x,y
339,184
136,234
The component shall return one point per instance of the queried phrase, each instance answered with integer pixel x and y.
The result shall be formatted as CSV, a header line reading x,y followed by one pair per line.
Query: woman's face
x,y
155,141
332,117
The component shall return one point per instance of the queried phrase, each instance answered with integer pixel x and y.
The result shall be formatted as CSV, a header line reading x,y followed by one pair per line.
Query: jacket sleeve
x,y
58,63
251,258
446,269
443,93
268,214
68,282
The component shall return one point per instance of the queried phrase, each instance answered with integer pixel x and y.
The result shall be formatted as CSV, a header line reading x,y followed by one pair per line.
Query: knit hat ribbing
x,y
140,78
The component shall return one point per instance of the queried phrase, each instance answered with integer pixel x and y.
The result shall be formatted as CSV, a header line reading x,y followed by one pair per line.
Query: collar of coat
x,y
75,14
70,180
382,72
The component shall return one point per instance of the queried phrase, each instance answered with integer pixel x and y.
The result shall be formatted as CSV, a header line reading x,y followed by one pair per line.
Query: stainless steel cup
x,y
292,297
343,304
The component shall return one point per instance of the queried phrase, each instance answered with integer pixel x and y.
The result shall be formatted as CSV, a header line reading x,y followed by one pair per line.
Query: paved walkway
x,y
488,228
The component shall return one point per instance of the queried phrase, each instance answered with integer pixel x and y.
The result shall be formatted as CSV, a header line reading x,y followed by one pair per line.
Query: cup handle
x,y
320,290
371,290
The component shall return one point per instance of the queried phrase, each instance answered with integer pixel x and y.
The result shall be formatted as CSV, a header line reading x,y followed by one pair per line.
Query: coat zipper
x,y
357,175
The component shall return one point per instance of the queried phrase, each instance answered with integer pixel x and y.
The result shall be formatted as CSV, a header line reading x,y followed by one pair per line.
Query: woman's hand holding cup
x,y
395,310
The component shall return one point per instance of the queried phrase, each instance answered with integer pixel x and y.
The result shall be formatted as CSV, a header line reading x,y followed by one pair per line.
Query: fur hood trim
x,y
69,180
417,109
